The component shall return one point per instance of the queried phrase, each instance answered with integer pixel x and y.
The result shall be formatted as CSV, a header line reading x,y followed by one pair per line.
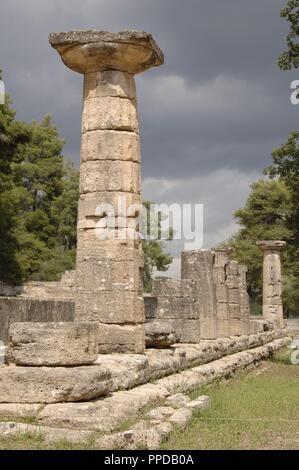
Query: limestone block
x,y
110,145
234,296
127,370
221,293
234,311
232,281
52,384
235,327
110,275
109,113
178,400
102,175
201,403
175,288
101,306
109,83
159,336
181,417
53,344
178,307
21,411
219,275
232,268
188,330
121,339
160,413
96,204
222,311
207,328
223,328
197,264
122,250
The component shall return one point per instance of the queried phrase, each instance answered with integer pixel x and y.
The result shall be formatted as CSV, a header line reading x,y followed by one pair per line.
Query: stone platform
x,y
171,373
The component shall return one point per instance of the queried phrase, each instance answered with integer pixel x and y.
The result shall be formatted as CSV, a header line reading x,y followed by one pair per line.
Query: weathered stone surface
x,y
110,176
109,83
178,307
103,415
109,113
110,275
181,417
52,384
13,310
94,204
201,403
51,435
53,344
19,410
101,306
178,400
121,338
110,145
175,288
127,370
161,413
119,250
159,336
92,50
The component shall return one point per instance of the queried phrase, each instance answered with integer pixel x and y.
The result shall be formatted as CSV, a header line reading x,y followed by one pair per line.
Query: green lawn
x,y
255,410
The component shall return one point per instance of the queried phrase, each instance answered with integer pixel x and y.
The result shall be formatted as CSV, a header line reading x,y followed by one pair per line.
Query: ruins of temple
x,y
92,350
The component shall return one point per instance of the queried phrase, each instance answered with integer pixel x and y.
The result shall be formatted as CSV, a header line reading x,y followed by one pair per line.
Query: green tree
x,y
154,254
266,216
290,58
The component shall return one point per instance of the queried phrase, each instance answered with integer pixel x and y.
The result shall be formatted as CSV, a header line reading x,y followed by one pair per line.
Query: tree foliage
x,y
290,58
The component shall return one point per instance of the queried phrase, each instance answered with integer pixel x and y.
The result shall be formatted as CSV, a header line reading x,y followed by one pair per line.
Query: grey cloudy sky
x,y
209,117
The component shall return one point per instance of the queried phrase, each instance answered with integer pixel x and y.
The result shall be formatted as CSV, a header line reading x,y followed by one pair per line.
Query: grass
x,y
256,410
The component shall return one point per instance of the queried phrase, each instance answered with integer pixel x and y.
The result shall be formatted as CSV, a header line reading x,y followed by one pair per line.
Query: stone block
x,y
109,113
222,311
53,344
219,275
234,311
110,275
99,175
53,384
109,83
197,264
101,306
159,336
121,339
110,145
221,293
95,204
89,245
175,288
223,328
178,307
234,296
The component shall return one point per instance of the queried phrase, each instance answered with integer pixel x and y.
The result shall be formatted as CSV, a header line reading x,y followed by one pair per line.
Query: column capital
x,y
92,50
271,245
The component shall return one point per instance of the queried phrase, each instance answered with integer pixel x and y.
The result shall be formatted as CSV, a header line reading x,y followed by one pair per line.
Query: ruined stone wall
x,y
13,310
209,301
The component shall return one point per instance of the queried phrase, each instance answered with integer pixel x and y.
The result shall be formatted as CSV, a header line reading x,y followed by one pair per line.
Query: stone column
x,y
272,302
109,257
223,280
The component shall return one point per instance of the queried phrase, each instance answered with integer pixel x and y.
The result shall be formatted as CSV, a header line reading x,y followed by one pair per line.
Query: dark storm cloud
x,y
212,113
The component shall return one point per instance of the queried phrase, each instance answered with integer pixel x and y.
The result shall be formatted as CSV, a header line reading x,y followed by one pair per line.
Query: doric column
x,y
109,254
221,276
272,302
